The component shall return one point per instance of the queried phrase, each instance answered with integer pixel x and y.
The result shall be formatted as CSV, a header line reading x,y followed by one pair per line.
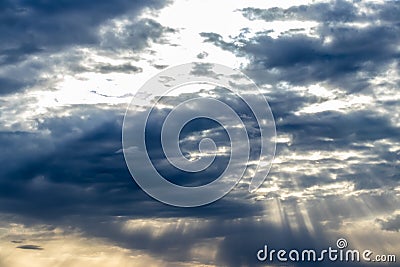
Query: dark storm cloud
x,y
349,60
43,28
8,85
332,131
72,170
334,11
134,35
12,55
301,59
390,224
30,247
16,77
125,68
343,128
53,24
351,55
72,166
71,173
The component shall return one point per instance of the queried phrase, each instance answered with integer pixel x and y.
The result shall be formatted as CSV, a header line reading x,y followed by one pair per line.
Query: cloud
x,y
125,68
134,35
46,25
338,51
37,38
390,224
337,159
10,85
30,247
300,59
333,11
343,59
217,40
69,166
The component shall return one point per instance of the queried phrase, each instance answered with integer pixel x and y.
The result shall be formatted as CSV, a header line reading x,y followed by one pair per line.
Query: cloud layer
x,y
332,87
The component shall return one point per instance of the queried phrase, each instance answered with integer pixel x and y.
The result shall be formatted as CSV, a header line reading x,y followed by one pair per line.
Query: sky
x,y
69,69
